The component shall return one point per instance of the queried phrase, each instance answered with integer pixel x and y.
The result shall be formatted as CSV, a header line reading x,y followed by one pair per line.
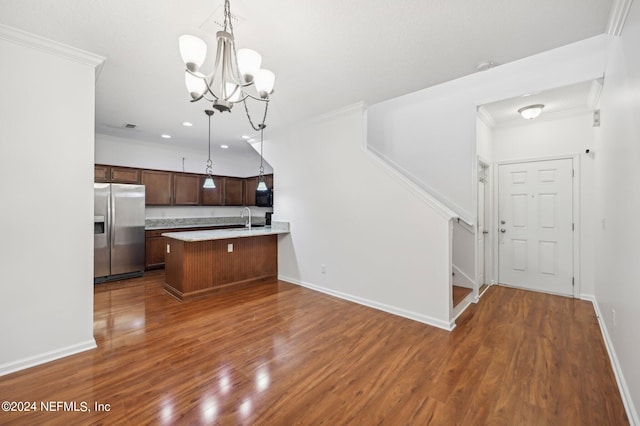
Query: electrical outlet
x,y
323,269
168,248
613,317
229,248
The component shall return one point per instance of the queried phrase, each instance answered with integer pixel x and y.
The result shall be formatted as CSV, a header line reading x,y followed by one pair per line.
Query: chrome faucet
x,y
248,224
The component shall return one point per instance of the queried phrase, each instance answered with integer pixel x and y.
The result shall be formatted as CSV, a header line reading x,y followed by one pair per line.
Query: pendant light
x,y
208,182
262,185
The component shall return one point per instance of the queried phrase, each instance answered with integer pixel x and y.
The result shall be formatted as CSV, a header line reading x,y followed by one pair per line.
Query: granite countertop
x,y
196,222
223,234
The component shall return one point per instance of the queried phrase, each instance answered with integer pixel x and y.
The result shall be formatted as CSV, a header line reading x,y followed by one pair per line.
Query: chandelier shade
x,y
193,51
233,71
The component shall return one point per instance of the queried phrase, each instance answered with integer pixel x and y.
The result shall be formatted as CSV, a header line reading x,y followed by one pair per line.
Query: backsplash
x,y
165,223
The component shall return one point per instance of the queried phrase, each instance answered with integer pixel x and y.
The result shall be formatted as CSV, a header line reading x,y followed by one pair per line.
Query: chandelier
x,y
233,72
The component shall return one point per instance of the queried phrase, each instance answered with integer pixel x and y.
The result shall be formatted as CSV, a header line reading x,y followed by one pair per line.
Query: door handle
x,y
485,232
503,230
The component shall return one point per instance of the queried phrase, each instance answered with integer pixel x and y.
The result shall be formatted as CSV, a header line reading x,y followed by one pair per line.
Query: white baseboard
x,y
32,361
632,414
425,319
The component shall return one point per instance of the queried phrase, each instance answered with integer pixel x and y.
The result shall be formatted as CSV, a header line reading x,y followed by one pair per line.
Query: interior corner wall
x,y
560,136
429,135
617,156
357,232
46,182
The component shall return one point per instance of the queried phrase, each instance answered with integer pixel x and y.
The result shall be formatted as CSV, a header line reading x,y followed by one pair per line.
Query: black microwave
x,y
264,198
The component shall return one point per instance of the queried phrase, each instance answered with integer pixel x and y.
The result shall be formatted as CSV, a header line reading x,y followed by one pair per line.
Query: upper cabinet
x,y
250,186
233,191
164,188
115,174
186,189
212,196
158,187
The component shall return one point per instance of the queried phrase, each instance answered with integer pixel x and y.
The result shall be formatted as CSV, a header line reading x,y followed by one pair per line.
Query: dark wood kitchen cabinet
x,y
212,196
101,173
233,191
186,189
115,174
155,246
158,187
166,188
250,186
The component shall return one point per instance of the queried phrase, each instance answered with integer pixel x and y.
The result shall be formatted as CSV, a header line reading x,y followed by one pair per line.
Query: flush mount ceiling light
x,y
531,111
233,71
208,182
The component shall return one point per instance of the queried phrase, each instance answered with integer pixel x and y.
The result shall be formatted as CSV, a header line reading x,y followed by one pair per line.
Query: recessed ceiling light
x,y
224,146
165,136
187,124
245,137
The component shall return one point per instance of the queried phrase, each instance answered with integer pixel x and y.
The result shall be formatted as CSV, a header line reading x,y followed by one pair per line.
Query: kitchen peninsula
x,y
202,262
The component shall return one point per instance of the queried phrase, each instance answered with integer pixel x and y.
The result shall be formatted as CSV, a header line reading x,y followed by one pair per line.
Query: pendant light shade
x,y
208,182
262,185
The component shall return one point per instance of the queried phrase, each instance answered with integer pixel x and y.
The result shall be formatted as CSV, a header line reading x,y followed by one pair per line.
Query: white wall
x,y
46,182
484,138
430,134
380,241
617,164
117,151
560,136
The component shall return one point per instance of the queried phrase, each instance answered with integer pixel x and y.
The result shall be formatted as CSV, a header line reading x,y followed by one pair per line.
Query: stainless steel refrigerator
x,y
118,231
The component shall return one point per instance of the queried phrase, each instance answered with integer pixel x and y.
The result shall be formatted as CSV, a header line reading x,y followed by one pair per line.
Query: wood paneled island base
x,y
198,268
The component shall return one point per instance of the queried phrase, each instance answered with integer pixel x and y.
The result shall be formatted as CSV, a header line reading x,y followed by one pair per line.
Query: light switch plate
x,y
168,248
230,248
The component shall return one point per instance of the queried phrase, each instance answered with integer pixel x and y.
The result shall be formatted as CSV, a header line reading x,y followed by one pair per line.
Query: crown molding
x,y
618,16
594,94
55,48
485,117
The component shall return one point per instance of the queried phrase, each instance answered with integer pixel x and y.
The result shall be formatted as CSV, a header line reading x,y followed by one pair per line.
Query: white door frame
x,y
576,213
488,188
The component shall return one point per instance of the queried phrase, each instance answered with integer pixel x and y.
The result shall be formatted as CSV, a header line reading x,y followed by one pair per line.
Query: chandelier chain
x,y
264,117
261,171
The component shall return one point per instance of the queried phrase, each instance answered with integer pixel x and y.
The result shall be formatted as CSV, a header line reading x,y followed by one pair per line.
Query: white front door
x,y
535,225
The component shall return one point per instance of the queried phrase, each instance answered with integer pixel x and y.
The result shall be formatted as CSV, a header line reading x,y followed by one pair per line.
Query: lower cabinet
x,y
155,247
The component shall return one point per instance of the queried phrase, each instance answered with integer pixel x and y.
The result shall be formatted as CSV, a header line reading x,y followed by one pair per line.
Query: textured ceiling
x,y
326,54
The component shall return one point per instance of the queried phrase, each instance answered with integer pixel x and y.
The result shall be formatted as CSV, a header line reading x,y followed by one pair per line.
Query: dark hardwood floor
x,y
459,293
279,354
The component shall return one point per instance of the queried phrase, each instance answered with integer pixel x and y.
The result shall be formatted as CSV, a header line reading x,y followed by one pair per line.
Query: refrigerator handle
x,y
112,219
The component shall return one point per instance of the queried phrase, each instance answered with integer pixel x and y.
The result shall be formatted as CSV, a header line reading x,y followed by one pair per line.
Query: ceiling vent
x,y
215,21
129,126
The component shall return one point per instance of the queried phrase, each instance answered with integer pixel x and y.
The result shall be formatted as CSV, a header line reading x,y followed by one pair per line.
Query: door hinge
x,y
573,226
573,281
573,173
